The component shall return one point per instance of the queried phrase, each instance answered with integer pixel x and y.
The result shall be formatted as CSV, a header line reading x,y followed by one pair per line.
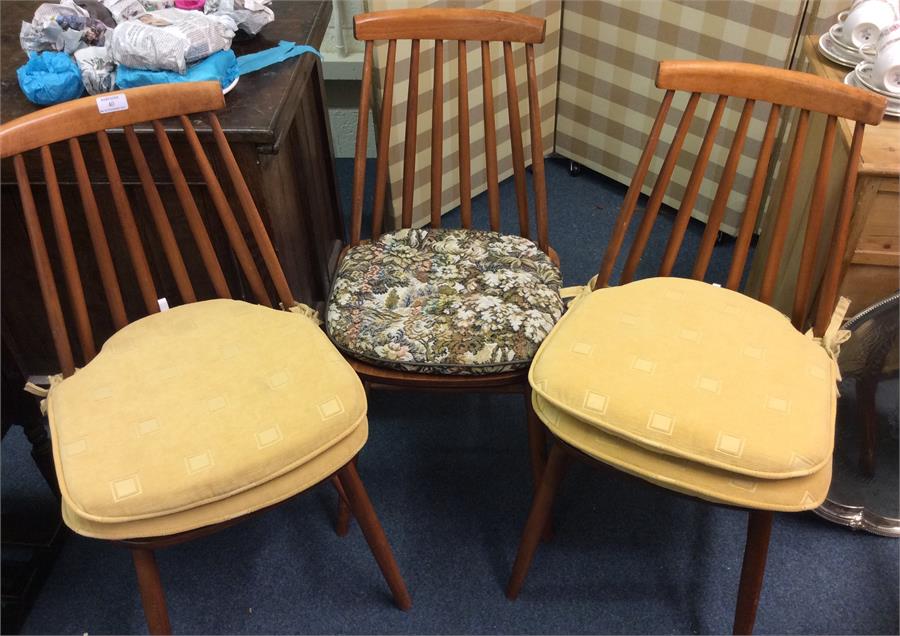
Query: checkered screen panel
x,y
608,99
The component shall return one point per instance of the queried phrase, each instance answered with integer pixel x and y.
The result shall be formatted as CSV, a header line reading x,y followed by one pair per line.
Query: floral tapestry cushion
x,y
447,301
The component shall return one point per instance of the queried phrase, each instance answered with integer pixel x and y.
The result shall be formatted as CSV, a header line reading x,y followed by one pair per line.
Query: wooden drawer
x,y
865,285
879,239
873,268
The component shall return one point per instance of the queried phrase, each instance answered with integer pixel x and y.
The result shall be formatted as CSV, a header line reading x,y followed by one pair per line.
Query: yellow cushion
x,y
684,476
694,371
266,494
198,404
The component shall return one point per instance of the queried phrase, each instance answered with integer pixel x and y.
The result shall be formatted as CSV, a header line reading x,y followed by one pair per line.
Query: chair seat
x,y
199,414
696,372
444,301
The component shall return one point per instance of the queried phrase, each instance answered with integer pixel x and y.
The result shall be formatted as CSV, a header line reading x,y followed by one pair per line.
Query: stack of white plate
x,y
861,77
838,52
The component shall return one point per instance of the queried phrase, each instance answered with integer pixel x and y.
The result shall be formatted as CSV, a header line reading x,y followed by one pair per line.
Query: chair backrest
x,y
461,25
782,90
69,121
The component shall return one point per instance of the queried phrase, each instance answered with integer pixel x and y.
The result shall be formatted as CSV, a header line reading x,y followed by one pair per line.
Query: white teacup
x,y
863,22
885,57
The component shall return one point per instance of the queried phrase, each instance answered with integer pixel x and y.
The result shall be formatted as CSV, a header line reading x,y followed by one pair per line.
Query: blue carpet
x,y
449,478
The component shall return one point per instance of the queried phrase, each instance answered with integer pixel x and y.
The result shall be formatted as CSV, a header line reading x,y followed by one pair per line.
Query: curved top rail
x,y
123,108
790,88
449,24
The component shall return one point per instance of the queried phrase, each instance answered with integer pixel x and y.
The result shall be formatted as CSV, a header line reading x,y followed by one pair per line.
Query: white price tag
x,y
112,103
163,304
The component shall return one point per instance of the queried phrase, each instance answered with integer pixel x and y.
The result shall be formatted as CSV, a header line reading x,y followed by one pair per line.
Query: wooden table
x,y
277,122
872,258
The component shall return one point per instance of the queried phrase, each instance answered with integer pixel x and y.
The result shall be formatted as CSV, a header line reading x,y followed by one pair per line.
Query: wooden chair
x,y
454,28
177,401
653,445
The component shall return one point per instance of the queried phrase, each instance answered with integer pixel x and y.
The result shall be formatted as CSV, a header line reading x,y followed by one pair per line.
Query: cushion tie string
x,y
41,392
304,310
577,292
834,336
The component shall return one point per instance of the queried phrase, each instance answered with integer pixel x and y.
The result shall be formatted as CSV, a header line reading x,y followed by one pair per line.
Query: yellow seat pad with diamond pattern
x,y
695,371
193,405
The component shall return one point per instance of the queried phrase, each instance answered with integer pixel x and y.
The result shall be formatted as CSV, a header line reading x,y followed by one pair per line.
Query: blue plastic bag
x,y
50,77
220,66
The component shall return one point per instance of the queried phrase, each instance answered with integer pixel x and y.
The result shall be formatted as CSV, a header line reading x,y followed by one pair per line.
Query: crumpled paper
x,y
98,70
98,11
250,16
61,27
169,39
123,10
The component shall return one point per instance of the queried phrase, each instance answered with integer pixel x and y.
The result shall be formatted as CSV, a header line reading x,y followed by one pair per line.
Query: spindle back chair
x,y
782,90
462,26
74,123
67,123
752,84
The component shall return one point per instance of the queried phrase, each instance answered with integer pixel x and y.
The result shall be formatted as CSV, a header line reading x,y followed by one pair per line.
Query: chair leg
x,y
362,509
151,591
537,447
759,529
537,519
342,525
866,388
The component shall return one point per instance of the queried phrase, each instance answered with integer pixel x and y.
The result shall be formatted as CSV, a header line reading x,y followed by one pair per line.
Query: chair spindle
x,y
838,247
683,217
537,152
160,219
437,134
108,277
362,138
251,214
410,145
490,138
779,231
226,215
631,196
751,208
465,161
726,182
813,225
129,226
659,191
67,253
515,135
192,214
384,140
44,271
